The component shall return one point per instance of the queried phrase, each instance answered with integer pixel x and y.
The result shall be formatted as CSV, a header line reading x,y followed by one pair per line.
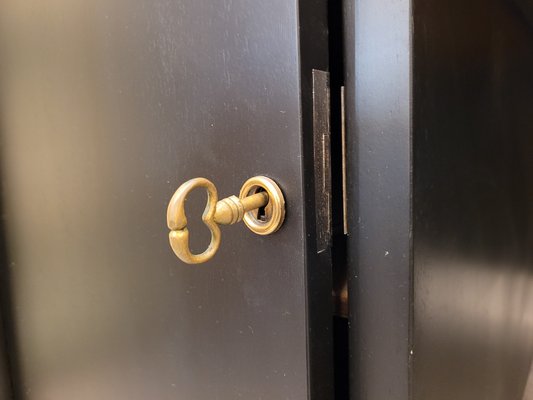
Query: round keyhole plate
x,y
270,218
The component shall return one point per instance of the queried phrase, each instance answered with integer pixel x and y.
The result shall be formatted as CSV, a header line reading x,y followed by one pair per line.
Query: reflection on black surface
x,y
473,201
106,107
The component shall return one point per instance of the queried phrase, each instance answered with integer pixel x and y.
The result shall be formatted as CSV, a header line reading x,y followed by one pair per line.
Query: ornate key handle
x,y
260,203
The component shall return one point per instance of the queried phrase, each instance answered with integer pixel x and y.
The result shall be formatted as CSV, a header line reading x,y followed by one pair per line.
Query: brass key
x,y
257,193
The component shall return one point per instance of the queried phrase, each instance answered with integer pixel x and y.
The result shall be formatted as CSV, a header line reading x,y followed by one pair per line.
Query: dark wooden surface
x,y
377,73
106,108
440,106
5,375
472,200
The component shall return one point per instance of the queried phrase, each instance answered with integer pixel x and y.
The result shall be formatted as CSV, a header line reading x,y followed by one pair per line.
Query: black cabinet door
x,y
106,108
440,187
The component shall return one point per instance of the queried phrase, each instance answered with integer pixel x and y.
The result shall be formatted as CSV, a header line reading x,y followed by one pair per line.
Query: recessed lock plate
x,y
260,203
269,218
321,136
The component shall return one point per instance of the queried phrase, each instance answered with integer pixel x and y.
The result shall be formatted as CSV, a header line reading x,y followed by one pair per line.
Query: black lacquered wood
x,y
377,73
473,200
441,159
106,108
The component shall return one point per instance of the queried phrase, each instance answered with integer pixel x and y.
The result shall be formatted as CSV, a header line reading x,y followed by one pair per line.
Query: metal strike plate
x,y
321,135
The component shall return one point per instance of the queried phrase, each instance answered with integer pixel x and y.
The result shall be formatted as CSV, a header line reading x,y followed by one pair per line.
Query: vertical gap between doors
x,y
339,229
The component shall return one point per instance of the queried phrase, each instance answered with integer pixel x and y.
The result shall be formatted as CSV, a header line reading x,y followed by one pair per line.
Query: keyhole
x,y
264,220
261,214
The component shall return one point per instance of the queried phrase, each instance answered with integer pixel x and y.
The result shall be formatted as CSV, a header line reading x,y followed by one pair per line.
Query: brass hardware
x,y
274,211
260,203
